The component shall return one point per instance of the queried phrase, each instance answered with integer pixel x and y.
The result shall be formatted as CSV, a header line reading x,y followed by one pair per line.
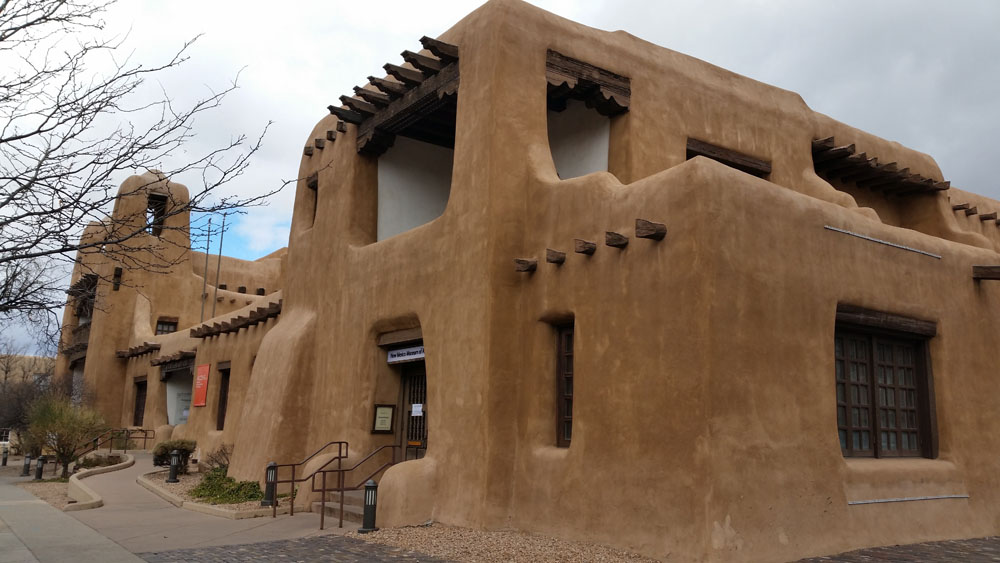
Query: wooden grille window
x,y
164,326
883,403
564,384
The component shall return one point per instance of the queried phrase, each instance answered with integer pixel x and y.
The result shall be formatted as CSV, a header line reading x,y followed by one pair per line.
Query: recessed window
x,y
166,326
414,183
564,385
220,422
883,390
116,280
156,212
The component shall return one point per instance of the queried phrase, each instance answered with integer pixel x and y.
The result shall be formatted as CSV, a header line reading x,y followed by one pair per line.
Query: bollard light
x,y
270,484
5,452
26,468
39,466
371,499
175,464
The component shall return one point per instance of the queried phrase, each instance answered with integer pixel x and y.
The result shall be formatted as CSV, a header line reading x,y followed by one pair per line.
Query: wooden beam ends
x,y
331,136
960,206
404,75
308,151
581,246
971,211
347,115
988,216
525,265
554,256
986,272
444,51
616,240
319,143
342,127
650,230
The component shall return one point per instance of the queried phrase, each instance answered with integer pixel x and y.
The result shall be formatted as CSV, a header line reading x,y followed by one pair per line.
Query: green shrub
x,y
217,488
161,452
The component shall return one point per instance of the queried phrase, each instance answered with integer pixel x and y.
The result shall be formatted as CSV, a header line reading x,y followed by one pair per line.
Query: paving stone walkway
x,y
321,548
967,551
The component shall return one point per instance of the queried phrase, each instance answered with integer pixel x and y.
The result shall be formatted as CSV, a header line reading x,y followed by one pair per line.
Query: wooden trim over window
x,y
223,365
607,92
404,336
729,157
859,316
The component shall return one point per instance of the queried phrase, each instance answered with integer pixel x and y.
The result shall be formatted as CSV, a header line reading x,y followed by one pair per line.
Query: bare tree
x,y
74,122
23,379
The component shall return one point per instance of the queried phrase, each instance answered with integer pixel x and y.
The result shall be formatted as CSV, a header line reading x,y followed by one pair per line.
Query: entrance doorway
x,y
414,410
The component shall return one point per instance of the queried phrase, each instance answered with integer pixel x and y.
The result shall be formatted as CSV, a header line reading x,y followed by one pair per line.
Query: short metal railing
x,y
339,477
342,450
108,438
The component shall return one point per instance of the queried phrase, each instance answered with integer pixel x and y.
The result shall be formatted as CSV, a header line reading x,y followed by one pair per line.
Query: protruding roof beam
x,y
371,96
347,115
392,88
405,75
447,52
423,63
364,108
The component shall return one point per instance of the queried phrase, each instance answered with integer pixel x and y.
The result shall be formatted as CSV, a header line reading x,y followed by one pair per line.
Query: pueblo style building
x,y
574,283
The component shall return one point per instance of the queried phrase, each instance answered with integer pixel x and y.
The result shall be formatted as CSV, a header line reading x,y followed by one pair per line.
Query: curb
x,y
84,496
145,481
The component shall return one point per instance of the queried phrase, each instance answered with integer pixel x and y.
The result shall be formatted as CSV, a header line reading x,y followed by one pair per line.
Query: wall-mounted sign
x,y
384,415
417,410
402,355
201,385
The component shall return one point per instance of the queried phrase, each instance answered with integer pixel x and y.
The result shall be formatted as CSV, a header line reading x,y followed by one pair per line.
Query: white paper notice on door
x,y
417,409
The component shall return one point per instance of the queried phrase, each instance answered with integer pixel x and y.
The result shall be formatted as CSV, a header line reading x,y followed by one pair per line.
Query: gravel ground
x,y
190,481
462,544
52,493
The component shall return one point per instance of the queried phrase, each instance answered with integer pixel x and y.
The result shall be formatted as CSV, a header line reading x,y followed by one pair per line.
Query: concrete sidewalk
x,y
31,530
142,522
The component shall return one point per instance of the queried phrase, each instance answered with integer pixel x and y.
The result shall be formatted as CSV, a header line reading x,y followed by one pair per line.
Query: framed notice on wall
x,y
384,415
201,385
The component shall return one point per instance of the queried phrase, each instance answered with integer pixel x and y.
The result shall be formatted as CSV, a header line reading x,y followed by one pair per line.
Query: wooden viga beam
x,y
986,272
581,246
554,256
615,240
447,52
650,230
527,265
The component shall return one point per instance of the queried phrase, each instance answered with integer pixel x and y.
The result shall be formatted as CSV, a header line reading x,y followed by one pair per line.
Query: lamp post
x,y
175,464
39,466
270,484
371,498
26,468
5,452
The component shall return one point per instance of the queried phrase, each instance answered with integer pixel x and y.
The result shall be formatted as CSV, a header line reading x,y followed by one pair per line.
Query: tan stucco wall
x,y
704,411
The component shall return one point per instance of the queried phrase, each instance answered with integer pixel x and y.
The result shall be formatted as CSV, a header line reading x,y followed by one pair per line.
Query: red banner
x,y
201,385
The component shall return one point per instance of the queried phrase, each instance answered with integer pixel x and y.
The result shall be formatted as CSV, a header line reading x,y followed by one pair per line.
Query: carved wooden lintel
x,y
650,230
581,246
607,92
616,240
986,272
525,265
554,256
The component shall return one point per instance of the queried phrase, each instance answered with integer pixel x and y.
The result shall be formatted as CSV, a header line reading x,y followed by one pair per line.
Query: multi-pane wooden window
x,y
564,386
882,408
166,326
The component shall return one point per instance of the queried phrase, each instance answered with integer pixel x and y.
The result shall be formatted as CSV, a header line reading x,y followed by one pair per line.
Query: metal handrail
x,y
341,476
343,449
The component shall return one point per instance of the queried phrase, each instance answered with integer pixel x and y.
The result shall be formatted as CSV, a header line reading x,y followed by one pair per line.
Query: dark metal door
x,y
138,413
414,410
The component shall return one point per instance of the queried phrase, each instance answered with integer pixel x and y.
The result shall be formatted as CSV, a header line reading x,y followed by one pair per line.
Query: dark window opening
x,y
156,211
116,280
241,289
223,286
564,386
138,413
223,398
166,326
884,392
260,291
737,160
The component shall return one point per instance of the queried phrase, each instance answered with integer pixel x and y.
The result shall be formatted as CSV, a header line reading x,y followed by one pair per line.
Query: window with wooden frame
x,y
166,325
884,388
220,421
564,385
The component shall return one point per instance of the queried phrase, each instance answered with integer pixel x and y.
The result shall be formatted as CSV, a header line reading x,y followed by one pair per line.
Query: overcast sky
x,y
926,74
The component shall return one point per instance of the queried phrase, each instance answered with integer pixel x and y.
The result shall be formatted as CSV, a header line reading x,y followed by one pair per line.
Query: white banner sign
x,y
402,355
417,410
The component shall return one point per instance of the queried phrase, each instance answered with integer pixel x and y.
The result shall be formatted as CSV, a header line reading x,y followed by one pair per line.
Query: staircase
x,y
354,502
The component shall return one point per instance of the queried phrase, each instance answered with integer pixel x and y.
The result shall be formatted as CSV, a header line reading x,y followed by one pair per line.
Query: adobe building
x,y
577,284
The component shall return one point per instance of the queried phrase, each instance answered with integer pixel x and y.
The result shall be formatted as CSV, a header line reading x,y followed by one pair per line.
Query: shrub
x,y
220,457
217,488
161,452
60,427
99,460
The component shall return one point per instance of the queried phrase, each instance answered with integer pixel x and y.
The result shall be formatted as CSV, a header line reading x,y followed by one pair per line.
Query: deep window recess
x,y
223,398
564,386
884,390
139,411
156,211
581,98
116,280
739,161
166,326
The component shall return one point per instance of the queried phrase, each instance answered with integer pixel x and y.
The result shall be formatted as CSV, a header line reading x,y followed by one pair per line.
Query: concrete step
x,y
352,513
